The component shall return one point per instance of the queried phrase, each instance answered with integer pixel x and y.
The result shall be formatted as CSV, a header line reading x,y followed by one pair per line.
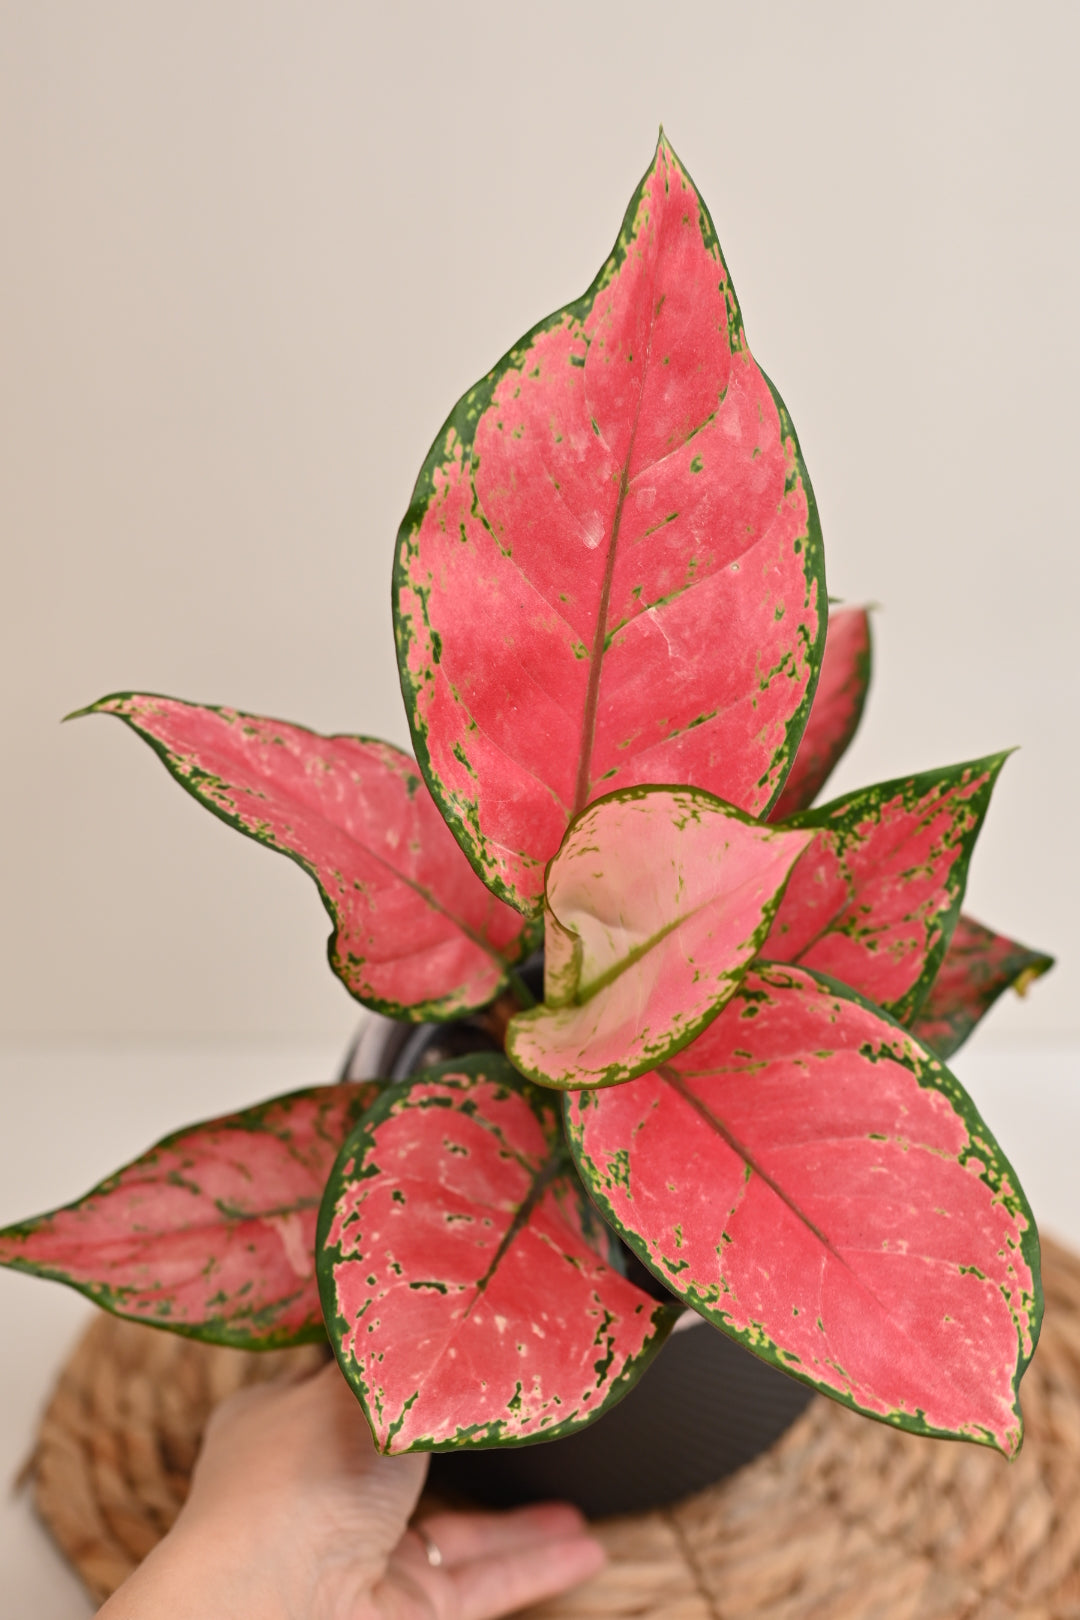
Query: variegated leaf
x,y
836,712
874,900
210,1234
459,1262
611,570
655,905
979,965
416,934
815,1183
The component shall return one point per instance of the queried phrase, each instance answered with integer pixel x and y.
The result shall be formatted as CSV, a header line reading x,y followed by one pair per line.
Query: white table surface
x,y
74,1113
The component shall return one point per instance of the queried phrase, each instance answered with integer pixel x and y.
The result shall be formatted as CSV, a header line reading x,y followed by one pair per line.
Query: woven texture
x,y
842,1520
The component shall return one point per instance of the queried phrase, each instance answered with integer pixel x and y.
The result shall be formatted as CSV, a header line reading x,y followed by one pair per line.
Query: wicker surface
x,y
843,1520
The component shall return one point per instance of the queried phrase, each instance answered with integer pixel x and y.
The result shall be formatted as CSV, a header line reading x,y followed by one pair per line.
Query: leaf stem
x,y
523,995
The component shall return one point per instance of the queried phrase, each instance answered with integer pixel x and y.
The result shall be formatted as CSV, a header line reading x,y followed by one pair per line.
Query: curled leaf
x,y
874,900
416,934
461,1272
656,903
210,1234
611,572
979,965
817,1185
835,713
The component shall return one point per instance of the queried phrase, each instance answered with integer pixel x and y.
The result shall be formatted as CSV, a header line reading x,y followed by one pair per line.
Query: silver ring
x,y
430,1545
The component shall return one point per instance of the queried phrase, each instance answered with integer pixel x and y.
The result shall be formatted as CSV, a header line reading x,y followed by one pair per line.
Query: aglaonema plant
x,y
626,693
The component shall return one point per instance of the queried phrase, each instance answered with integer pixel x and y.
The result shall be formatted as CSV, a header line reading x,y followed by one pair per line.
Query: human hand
x,y
293,1515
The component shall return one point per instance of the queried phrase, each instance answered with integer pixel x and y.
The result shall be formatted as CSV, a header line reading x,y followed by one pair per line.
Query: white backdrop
x,y
252,253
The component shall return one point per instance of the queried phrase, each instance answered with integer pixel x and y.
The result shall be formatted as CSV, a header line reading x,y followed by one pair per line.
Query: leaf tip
x,y
1010,1442
102,705
1021,984
77,714
664,148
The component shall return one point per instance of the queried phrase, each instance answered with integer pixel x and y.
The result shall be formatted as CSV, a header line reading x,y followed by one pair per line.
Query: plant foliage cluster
x,y
626,692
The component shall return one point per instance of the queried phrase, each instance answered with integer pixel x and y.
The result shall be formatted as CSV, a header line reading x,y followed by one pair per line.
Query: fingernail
x,y
589,1555
561,1517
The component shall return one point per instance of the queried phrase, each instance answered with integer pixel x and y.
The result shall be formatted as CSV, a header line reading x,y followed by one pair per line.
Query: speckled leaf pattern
x,y
611,570
416,934
836,711
979,965
460,1269
655,905
210,1234
874,900
819,1186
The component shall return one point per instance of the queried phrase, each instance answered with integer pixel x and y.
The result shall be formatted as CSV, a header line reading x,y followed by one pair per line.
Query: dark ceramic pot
x,y
704,1407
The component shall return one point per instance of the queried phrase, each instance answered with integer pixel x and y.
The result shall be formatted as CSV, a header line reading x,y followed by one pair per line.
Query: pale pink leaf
x,y
656,903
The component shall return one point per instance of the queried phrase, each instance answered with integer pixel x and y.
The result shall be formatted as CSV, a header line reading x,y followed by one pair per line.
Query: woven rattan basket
x,y
842,1520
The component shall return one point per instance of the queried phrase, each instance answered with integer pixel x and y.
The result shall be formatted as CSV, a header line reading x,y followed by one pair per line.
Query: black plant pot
x,y
704,1407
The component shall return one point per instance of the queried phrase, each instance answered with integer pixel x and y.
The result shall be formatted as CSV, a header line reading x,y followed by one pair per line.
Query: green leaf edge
x,y
977,1131
1030,963
215,1330
617,1075
864,674
844,812
462,422
664,1316
436,1012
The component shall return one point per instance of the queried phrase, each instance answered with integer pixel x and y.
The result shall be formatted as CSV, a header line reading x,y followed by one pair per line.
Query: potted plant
x,y
727,1092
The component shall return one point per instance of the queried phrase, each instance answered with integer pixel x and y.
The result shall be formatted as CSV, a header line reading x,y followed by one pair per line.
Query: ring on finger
x,y
432,1551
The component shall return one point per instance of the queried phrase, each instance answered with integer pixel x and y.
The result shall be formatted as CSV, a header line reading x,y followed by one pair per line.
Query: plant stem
x,y
523,995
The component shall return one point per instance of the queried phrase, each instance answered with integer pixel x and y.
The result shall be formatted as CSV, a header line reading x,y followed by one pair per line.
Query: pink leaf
x,y
210,1234
874,900
416,934
656,903
836,712
979,965
816,1184
462,1285
611,573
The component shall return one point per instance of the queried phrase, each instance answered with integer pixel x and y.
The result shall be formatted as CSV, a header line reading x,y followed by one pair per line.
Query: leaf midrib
x,y
674,1079
583,788
541,1178
586,993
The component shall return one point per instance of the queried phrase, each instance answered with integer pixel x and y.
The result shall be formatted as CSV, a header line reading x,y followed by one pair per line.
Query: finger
x,y
491,1587
330,1443
329,1385
462,1537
